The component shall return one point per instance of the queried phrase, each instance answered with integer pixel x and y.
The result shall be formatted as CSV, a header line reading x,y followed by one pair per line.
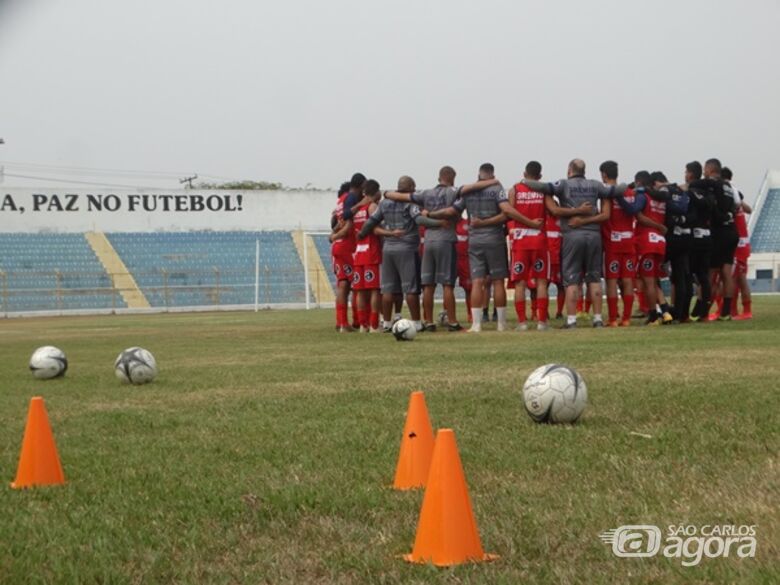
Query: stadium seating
x,y
52,272
766,233
211,268
323,249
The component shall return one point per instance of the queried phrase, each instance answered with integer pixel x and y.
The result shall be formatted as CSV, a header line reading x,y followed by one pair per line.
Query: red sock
x,y
534,309
520,310
747,306
355,313
719,302
612,308
587,305
579,305
363,317
341,315
542,308
642,301
560,301
374,320
628,304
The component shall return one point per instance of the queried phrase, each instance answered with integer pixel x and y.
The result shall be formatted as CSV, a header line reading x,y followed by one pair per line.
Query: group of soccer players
x,y
390,246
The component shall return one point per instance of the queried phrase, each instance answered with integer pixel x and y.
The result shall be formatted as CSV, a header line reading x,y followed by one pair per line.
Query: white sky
x,y
308,92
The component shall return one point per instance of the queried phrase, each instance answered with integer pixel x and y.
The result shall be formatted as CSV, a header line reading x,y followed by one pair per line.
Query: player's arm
x,y
386,233
426,221
640,200
398,196
454,211
497,219
508,208
478,186
746,208
374,220
341,232
557,211
540,186
601,217
642,219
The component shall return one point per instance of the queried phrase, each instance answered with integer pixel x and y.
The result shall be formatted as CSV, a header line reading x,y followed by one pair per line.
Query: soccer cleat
x,y
377,330
625,323
522,326
654,323
667,318
713,316
612,323
542,326
454,327
724,317
430,327
743,317
501,327
598,324
363,329
495,315
475,329
569,326
558,316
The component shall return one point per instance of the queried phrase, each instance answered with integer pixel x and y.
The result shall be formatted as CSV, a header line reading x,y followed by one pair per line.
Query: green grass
x,y
259,455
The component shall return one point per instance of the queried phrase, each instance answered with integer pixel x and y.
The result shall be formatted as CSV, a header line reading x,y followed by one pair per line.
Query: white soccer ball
x,y
135,366
48,362
404,330
555,394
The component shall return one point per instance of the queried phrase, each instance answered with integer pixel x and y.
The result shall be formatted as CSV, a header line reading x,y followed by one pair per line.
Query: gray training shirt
x,y
484,204
440,197
575,191
398,216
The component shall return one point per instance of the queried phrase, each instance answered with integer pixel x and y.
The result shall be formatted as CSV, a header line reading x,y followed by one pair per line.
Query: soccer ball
x,y
555,394
404,330
48,362
135,366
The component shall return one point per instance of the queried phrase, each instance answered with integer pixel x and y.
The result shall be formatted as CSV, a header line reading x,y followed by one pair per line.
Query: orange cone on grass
x,y
414,458
39,463
447,532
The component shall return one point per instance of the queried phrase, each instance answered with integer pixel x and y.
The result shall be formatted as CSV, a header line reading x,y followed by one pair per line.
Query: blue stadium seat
x,y
766,233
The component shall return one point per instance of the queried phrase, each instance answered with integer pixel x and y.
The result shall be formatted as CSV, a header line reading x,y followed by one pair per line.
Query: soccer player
x,y
439,259
462,254
399,271
487,243
553,233
366,260
742,253
342,240
620,262
701,203
581,257
530,258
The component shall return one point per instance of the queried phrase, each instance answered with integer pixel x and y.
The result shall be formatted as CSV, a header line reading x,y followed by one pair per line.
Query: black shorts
x,y
724,244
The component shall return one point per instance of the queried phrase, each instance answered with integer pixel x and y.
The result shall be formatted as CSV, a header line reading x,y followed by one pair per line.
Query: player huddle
x,y
390,246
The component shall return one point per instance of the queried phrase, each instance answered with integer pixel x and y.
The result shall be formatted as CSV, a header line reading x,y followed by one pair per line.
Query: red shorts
x,y
528,264
619,265
365,277
464,272
740,267
651,265
342,268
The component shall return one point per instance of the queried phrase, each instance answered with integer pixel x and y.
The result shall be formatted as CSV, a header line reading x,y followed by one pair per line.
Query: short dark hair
x,y
694,167
642,179
725,173
713,163
357,181
534,169
609,168
487,167
447,172
371,187
658,177
344,188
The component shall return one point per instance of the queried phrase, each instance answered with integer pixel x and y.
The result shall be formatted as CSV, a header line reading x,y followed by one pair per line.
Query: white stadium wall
x,y
68,210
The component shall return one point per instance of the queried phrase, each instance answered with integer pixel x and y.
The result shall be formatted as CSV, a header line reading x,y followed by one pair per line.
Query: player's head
x,y
533,171
344,188
486,171
726,174
609,171
406,184
576,168
657,179
712,168
447,176
693,171
371,189
642,179
356,182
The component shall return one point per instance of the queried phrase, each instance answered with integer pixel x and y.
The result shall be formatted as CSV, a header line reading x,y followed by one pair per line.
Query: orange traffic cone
x,y
39,463
414,459
447,533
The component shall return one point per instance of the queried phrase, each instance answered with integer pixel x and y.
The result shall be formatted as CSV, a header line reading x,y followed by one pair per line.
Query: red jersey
x,y
743,247
552,227
462,235
618,232
368,251
649,240
346,245
530,204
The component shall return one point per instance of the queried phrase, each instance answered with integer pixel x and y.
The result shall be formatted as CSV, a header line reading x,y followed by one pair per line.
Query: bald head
x,y
577,167
406,184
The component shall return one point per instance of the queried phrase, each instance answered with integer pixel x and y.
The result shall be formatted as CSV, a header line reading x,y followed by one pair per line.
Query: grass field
x,y
261,454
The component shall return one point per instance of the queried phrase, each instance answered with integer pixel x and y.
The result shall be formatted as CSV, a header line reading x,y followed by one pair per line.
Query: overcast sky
x,y
308,92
